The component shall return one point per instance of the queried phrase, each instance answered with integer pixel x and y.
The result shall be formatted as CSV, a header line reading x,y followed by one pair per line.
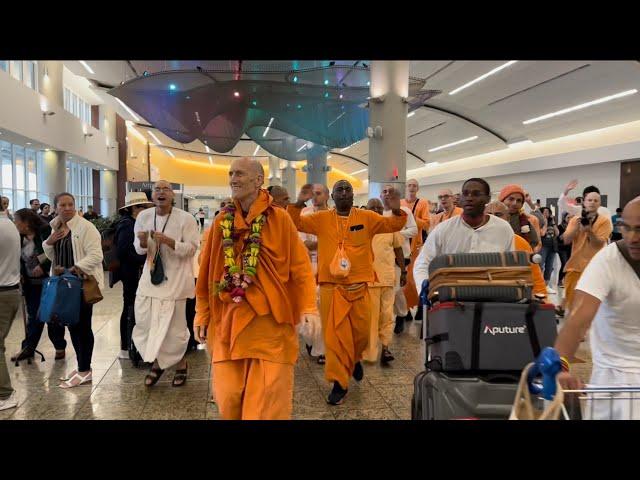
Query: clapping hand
x,y
55,236
143,237
306,193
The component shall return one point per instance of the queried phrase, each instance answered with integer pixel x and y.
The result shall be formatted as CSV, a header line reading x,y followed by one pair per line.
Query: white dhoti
x,y
612,406
400,308
161,331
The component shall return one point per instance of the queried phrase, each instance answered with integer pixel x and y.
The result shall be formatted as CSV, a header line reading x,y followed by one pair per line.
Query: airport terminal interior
x,y
128,141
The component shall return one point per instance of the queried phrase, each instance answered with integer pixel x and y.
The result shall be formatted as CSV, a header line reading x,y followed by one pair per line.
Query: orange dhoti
x,y
381,321
410,291
253,389
346,318
570,282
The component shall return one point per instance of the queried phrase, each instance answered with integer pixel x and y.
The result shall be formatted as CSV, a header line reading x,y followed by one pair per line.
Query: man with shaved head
x,y
345,266
408,232
419,207
320,201
607,296
169,237
280,196
450,209
254,286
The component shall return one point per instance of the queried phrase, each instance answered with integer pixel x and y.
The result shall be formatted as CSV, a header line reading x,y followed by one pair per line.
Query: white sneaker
x,y
551,291
11,402
124,354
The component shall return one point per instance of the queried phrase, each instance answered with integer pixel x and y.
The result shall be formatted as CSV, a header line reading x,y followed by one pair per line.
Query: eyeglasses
x,y
628,228
163,189
443,197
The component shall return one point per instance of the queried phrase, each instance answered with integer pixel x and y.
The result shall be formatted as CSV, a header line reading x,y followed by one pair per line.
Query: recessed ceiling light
x,y
28,143
172,86
236,94
464,140
255,152
482,77
359,171
581,106
87,67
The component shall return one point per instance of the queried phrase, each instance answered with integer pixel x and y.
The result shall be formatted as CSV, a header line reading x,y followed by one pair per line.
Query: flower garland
x,y
237,279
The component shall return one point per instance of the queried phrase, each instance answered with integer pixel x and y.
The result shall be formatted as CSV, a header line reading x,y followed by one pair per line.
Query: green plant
x,y
105,223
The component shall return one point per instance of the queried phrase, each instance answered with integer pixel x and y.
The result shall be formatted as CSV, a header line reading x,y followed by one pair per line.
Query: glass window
x,y
74,104
4,65
9,195
30,74
67,102
21,201
19,170
7,165
32,178
16,69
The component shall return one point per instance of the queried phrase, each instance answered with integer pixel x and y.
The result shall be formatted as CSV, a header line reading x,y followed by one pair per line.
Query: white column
x,y
50,84
388,110
289,179
275,177
108,192
53,178
317,165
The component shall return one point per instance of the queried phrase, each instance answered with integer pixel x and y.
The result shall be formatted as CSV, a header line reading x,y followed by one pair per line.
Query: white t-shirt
x,y
409,230
9,254
455,236
615,334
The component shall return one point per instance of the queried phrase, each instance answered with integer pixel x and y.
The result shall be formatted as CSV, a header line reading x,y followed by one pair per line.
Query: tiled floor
x,y
118,392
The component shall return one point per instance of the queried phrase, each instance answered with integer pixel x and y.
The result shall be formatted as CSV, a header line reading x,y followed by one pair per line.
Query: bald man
x,y
247,311
320,202
280,196
607,297
345,266
449,207
169,237
419,207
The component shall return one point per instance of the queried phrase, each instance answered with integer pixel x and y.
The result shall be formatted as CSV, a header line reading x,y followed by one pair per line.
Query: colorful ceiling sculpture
x,y
285,112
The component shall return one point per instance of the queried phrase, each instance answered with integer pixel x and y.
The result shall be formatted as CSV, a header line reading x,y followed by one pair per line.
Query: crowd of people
x,y
345,279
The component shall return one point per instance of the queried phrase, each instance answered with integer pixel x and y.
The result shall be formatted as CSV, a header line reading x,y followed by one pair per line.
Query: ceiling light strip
x,y
482,77
131,112
581,106
87,67
169,152
154,137
464,140
264,134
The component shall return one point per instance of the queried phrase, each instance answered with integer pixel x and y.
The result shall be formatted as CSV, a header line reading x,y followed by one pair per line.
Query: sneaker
x,y
386,357
337,395
9,402
124,354
399,328
23,354
358,372
551,291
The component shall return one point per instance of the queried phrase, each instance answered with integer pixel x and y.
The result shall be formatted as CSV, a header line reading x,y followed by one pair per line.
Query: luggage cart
x,y
605,403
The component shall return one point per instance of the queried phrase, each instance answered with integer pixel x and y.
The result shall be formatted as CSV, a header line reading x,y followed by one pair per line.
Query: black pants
x,y
202,223
564,258
32,294
127,318
82,337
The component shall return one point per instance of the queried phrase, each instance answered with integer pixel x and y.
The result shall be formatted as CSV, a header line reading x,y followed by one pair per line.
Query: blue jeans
x,y
548,256
32,294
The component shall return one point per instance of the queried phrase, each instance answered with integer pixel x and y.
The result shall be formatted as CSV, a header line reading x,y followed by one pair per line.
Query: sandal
x,y
322,360
71,382
69,376
150,380
180,377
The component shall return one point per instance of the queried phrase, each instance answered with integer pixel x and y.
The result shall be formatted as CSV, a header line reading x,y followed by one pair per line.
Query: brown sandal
x,y
150,380
180,377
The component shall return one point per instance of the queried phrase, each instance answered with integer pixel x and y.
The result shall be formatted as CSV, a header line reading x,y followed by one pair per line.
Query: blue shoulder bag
x,y
61,299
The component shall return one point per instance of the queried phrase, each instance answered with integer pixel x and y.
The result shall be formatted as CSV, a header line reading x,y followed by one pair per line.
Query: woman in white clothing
x,y
75,244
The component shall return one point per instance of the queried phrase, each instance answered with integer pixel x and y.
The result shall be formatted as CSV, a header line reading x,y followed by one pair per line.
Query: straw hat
x,y
135,198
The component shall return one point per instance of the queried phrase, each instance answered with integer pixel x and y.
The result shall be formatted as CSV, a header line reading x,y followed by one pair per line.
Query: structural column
x,y
317,165
388,118
289,179
54,175
108,192
50,85
274,171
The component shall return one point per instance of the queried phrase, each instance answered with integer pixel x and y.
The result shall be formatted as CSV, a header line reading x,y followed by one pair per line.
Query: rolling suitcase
x,y
441,396
497,276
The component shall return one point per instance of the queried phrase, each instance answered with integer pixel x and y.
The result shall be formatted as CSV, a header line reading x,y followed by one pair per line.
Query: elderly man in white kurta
x,y
170,237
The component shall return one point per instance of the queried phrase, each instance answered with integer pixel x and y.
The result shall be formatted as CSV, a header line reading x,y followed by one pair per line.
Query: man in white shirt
x,y
409,231
320,201
607,296
9,300
472,232
161,334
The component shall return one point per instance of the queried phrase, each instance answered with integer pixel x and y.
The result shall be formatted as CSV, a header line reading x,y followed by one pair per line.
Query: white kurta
x,y
409,231
161,331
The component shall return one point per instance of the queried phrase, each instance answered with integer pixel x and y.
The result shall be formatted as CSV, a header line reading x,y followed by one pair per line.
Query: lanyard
x,y
342,234
155,212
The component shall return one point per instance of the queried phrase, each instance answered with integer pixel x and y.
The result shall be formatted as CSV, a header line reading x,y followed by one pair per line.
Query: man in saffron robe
x,y
250,328
345,266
